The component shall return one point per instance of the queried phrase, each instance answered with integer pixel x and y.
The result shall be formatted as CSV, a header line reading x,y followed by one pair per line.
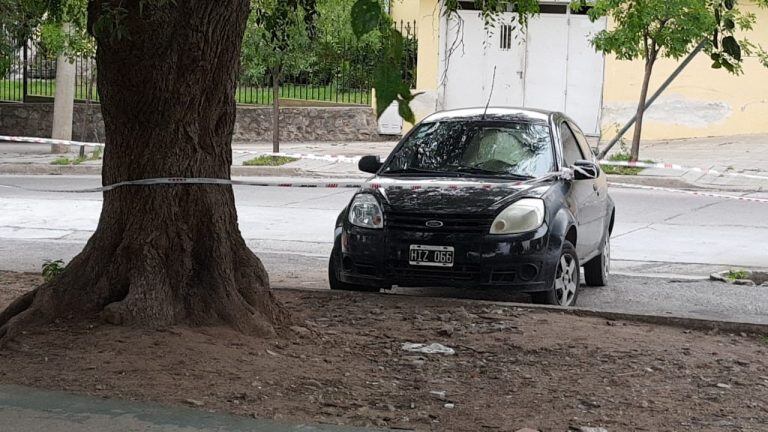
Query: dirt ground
x,y
345,364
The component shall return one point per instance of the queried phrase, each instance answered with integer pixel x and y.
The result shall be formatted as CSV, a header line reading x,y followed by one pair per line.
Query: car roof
x,y
492,113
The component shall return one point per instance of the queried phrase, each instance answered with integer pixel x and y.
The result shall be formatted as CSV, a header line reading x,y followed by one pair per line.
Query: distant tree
x,y
654,29
278,37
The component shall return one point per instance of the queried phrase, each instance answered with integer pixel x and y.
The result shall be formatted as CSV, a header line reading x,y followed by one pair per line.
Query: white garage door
x,y
474,53
553,66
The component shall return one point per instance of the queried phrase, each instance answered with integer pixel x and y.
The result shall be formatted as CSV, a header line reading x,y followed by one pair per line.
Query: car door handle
x,y
594,187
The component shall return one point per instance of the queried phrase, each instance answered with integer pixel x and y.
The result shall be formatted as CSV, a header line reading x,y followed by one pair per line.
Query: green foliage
x,y
622,156
276,39
267,160
652,29
736,274
51,269
325,54
648,29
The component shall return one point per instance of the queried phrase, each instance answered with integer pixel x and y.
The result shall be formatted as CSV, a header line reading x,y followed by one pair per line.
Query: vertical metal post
x,y
24,89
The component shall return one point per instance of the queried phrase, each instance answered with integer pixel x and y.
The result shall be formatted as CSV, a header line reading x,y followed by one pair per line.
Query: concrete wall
x,y
253,123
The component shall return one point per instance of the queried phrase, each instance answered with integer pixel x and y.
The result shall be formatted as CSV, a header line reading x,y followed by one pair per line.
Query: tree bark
x,y
634,154
276,109
166,254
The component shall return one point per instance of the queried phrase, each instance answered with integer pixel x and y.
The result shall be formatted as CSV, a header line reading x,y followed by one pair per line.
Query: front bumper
x,y
379,258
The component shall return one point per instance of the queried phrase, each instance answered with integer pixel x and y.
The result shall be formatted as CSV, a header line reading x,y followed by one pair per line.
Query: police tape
x,y
197,181
677,167
688,192
47,141
355,159
344,184
311,156
367,185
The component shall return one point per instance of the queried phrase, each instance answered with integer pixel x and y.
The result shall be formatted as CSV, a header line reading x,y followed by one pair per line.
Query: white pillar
x,y
63,103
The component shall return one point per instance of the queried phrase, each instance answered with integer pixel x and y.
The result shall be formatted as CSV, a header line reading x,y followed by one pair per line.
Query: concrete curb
x,y
665,320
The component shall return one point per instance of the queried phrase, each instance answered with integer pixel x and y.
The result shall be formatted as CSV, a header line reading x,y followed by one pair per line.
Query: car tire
x,y
597,270
333,276
565,285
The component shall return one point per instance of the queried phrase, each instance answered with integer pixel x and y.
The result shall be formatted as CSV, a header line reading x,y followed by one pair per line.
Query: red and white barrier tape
x,y
47,141
198,181
311,156
438,185
677,167
282,184
689,192
355,159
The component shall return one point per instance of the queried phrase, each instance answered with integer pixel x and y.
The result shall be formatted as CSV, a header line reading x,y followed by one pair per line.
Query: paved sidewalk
x,y
24,409
744,154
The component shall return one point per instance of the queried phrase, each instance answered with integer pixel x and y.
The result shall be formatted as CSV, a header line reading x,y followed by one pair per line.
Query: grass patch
x,y
266,160
736,274
63,160
621,170
764,340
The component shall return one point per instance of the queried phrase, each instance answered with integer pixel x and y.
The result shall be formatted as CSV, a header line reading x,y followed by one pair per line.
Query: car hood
x,y
454,195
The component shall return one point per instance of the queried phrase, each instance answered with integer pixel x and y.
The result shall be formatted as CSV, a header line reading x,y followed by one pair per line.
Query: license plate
x,y
437,256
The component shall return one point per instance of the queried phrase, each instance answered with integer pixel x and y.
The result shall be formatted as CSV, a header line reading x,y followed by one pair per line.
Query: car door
x,y
583,201
601,181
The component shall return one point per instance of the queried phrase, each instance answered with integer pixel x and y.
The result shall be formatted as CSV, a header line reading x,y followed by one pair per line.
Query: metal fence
x,y
31,76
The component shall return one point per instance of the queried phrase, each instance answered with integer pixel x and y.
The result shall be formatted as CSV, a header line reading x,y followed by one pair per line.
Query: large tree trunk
x,y
634,154
165,254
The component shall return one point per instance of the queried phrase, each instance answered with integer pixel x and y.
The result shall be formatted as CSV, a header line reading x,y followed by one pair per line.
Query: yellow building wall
x,y
404,10
700,102
426,13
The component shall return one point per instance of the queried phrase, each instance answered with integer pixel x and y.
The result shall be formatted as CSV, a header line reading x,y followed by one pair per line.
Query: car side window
x,y
571,150
586,150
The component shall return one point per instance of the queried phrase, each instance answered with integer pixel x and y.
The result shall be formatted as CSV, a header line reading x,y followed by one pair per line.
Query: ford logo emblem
x,y
435,224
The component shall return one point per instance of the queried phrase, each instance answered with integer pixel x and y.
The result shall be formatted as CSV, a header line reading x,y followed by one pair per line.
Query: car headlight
x,y
365,212
524,215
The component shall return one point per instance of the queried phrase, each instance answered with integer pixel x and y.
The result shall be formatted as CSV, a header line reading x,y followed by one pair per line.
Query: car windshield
x,y
484,148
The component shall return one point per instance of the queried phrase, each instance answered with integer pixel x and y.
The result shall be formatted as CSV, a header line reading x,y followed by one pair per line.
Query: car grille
x,y
452,223
402,270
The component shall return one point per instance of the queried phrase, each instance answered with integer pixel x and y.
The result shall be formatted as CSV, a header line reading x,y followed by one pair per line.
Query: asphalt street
x,y
669,237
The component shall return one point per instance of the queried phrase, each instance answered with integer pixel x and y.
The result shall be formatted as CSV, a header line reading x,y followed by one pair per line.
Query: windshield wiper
x,y
418,171
482,171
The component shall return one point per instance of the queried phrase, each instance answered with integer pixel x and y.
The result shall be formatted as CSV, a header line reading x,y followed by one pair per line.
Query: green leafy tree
x,y
277,38
654,29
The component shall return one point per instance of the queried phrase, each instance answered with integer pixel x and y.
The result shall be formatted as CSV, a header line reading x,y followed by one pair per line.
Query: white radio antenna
x,y
493,82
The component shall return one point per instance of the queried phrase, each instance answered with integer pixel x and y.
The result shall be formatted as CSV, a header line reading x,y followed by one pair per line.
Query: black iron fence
x,y
30,75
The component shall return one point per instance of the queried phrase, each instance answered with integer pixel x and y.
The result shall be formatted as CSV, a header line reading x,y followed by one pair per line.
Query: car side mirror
x,y
369,164
585,170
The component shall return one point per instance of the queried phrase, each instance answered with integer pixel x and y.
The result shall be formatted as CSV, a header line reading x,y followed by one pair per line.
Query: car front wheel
x,y
596,271
333,276
565,286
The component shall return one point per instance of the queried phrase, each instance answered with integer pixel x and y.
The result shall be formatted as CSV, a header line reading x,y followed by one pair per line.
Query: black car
x,y
476,198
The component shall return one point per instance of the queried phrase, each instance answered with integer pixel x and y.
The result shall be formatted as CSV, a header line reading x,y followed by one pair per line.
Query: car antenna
x,y
493,82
